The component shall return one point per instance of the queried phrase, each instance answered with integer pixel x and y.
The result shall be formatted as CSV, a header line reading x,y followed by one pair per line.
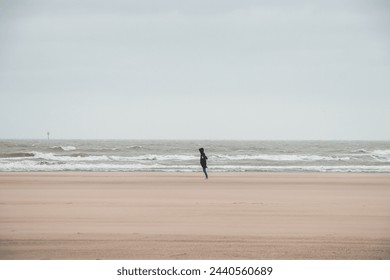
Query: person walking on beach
x,y
203,161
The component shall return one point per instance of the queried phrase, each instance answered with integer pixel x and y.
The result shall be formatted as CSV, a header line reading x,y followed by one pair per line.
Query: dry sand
x,y
182,216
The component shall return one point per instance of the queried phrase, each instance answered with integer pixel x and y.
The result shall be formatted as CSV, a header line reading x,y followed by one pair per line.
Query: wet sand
x,y
92,215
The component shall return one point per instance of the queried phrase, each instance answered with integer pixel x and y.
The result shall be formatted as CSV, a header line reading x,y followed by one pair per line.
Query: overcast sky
x,y
178,69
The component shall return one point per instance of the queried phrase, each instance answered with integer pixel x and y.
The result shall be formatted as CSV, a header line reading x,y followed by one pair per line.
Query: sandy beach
x,y
92,215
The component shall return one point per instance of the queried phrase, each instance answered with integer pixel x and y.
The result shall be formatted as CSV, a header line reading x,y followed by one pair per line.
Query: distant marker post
x,y
48,135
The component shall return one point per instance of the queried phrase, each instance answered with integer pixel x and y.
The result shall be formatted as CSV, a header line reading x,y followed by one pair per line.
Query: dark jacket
x,y
203,159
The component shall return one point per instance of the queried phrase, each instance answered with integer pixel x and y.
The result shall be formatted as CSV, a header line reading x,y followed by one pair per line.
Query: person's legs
x,y
205,172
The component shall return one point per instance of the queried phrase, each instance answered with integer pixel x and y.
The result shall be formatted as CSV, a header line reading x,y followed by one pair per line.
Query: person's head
x,y
201,150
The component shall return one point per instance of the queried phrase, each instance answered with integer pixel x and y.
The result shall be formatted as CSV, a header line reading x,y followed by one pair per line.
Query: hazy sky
x,y
178,69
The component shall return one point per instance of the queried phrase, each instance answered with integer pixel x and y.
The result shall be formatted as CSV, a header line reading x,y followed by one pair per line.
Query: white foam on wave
x,y
31,165
135,147
108,158
282,157
381,155
64,148
383,152
34,165
102,149
53,157
297,168
154,157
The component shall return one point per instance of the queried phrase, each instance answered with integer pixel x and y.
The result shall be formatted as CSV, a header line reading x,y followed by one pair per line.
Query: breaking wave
x,y
63,148
381,155
31,165
283,157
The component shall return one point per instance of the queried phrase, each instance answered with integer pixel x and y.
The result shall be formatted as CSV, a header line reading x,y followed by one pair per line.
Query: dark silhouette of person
x,y
203,161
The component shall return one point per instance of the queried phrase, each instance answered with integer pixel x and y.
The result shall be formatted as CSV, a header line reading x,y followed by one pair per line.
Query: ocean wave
x,y
63,148
33,165
155,157
79,157
102,149
298,168
381,155
89,157
135,147
362,151
377,156
282,157
382,152
16,155
30,165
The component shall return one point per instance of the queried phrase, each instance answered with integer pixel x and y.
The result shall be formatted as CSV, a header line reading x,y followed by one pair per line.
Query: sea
x,y
183,156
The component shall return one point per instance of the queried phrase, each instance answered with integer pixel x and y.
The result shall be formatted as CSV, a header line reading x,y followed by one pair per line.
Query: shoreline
x,y
192,172
180,215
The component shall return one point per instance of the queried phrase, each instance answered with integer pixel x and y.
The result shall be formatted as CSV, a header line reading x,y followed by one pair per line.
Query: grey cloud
x,y
252,65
